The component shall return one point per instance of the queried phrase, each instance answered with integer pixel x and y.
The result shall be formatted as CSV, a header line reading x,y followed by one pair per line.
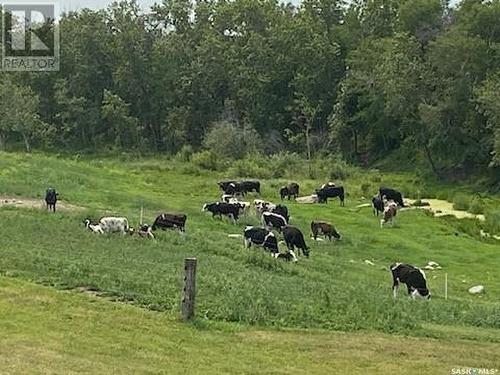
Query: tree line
x,y
417,80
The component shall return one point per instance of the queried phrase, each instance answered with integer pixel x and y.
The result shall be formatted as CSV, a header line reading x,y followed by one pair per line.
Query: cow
x,y
281,210
390,211
330,192
327,229
249,186
224,185
146,231
170,221
51,199
115,225
377,204
413,277
271,220
262,206
328,184
260,237
96,228
294,238
289,256
391,194
223,209
110,225
291,190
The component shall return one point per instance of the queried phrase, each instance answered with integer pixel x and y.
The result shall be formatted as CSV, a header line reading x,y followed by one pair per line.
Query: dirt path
x,y
37,204
443,208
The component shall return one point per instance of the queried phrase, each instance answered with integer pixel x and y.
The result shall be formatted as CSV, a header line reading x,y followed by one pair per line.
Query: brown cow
x,y
325,228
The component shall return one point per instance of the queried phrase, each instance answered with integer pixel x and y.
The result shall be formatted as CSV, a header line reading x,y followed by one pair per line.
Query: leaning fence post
x,y
189,291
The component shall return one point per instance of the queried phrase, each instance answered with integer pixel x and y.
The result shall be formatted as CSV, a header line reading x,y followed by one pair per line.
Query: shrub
x,y
285,164
339,169
476,206
461,202
249,168
492,223
206,160
185,153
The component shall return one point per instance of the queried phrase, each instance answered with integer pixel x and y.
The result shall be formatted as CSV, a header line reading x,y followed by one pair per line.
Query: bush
x,y
476,206
339,169
206,160
461,202
185,153
249,168
286,164
492,223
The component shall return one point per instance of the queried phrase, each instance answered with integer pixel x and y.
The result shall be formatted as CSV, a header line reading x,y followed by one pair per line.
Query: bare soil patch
x,y
37,204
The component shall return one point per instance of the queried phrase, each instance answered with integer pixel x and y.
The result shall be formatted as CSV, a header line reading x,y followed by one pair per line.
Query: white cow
x,y
109,225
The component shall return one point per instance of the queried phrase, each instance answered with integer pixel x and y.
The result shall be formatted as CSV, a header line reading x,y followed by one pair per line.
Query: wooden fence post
x,y
189,292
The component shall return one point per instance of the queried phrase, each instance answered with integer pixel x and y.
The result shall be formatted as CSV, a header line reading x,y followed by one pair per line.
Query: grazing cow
x,y
223,209
289,256
391,194
390,212
146,231
170,221
263,206
327,229
96,228
377,204
115,225
51,199
328,184
413,277
260,237
224,185
249,186
291,190
330,192
281,210
271,220
294,238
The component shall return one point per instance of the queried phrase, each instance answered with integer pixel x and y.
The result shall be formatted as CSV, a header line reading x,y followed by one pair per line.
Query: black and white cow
x,y
223,209
51,199
291,190
330,192
272,220
146,231
327,229
262,206
281,210
413,277
260,237
377,204
391,194
224,185
295,239
170,221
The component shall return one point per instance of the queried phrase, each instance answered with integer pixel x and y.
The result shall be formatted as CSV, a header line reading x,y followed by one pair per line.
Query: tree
x,y
121,127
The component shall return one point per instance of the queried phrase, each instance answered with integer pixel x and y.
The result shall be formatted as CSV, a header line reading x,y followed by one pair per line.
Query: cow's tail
x,y
127,226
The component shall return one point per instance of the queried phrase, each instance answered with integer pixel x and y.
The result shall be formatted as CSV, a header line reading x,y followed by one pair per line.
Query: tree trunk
x,y
27,143
431,161
2,142
308,145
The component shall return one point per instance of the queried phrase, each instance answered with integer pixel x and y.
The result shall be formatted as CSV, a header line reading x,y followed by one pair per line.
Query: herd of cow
x,y
272,217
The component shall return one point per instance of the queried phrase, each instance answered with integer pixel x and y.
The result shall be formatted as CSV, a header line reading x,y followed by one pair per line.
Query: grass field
x,y
52,332
333,290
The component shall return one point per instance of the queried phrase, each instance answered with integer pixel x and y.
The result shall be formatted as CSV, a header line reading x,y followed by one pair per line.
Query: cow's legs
x,y
248,244
293,255
395,287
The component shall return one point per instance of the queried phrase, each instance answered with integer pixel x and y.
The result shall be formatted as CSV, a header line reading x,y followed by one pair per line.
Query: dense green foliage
x,y
360,79
334,289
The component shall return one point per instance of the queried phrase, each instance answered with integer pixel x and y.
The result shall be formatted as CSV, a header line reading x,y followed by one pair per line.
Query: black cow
x,y
292,190
281,210
294,238
327,229
223,209
330,192
377,204
413,277
249,186
51,199
272,220
261,237
170,221
391,194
